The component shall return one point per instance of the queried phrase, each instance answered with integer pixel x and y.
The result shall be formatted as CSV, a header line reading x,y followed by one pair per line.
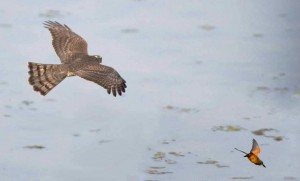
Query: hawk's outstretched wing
x,y
105,76
255,148
67,44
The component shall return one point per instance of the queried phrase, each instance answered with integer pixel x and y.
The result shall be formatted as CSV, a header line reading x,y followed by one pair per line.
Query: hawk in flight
x,y
73,54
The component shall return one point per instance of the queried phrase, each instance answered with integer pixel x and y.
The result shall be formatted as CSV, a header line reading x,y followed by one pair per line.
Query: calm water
x,y
203,77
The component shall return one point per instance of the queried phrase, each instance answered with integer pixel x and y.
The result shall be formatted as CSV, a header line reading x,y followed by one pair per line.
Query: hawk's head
x,y
97,58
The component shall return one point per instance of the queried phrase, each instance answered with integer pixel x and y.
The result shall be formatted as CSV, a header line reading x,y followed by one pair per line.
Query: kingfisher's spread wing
x,y
66,43
104,76
255,148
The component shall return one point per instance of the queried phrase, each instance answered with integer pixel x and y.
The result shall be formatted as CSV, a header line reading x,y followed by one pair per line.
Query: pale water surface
x,y
201,76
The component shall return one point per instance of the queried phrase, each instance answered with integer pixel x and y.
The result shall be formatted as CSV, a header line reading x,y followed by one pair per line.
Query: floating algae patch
x,y
51,13
177,154
27,103
262,132
281,89
157,167
165,142
282,74
104,141
263,88
276,138
95,130
207,27
290,178
187,110
76,135
129,30
242,178
5,26
158,156
213,162
258,35
8,106
156,172
168,161
3,83
180,109
170,107
296,92
39,147
275,89
209,162
221,166
228,128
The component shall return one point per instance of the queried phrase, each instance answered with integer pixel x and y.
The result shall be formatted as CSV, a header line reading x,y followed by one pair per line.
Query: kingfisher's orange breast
x,y
254,159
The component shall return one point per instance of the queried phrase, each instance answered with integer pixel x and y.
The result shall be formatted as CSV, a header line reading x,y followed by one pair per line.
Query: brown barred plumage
x,y
44,77
72,51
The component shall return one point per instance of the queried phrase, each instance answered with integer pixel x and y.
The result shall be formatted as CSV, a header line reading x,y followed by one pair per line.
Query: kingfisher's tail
x,y
241,151
44,77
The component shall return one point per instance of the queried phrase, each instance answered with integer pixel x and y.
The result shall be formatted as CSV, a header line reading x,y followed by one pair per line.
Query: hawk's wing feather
x,y
255,148
104,76
66,43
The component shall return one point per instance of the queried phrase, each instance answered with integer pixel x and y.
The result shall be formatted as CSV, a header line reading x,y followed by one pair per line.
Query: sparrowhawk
x,y
73,54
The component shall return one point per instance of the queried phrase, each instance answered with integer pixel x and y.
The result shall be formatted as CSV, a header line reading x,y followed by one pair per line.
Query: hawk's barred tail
x,y
44,77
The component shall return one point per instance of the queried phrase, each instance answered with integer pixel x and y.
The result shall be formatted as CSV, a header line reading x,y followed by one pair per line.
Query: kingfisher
x,y
253,155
